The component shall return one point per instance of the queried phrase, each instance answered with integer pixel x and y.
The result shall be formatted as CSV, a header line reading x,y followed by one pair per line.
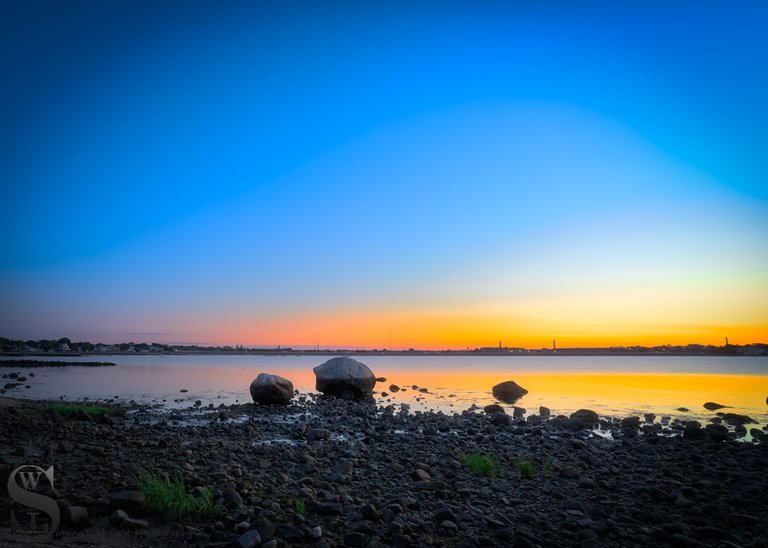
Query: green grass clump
x,y
66,409
163,493
301,507
480,464
526,469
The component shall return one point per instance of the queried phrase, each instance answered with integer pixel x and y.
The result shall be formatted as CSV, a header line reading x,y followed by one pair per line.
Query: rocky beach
x,y
322,470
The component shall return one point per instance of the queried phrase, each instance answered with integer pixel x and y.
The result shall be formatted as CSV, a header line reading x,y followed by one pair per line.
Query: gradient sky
x,y
388,174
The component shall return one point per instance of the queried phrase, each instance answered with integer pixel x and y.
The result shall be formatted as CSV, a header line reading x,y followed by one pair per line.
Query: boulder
x,y
269,389
712,406
508,392
544,411
344,377
735,418
586,415
493,408
630,422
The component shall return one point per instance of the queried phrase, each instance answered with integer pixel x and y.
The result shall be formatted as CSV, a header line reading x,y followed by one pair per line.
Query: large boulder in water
x,y
344,377
271,389
508,392
585,415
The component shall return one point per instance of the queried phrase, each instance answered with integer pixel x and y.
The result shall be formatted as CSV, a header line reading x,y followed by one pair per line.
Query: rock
x,y
683,409
77,516
420,475
569,472
544,411
500,419
630,422
381,379
586,415
735,418
127,500
394,388
493,408
518,412
508,392
117,517
649,417
694,431
712,406
249,539
587,483
344,376
354,539
717,432
269,389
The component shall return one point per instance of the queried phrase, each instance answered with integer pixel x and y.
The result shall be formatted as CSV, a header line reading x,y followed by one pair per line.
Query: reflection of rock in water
x,y
508,392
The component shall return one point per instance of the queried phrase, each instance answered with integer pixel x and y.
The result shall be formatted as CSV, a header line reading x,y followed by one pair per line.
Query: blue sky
x,y
239,172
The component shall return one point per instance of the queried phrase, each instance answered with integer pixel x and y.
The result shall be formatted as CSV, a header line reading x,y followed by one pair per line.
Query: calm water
x,y
611,385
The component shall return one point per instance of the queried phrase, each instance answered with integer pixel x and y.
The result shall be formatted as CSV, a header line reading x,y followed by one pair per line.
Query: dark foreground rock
x,y
344,377
269,389
323,471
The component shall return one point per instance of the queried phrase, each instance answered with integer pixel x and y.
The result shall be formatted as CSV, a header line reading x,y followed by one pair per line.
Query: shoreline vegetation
x,y
65,347
52,363
324,471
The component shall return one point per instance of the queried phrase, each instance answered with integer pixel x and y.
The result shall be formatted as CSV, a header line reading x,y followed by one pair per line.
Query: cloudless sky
x,y
384,174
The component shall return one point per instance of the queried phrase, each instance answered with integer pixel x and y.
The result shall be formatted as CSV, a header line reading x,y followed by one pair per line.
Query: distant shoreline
x,y
416,353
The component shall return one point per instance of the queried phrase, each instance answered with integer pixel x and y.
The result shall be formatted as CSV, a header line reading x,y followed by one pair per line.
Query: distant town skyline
x,y
382,174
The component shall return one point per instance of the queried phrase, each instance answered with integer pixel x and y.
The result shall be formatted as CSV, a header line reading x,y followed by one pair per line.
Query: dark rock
x,y
289,533
500,419
735,418
420,475
134,524
394,388
381,379
127,500
269,389
339,376
508,392
77,516
249,539
264,526
694,431
117,517
649,417
544,411
355,539
712,406
493,408
630,422
586,415
518,412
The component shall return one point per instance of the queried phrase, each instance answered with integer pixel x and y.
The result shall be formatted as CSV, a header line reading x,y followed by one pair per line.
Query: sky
x,y
384,174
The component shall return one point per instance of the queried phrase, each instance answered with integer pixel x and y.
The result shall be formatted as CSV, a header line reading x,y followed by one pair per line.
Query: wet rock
x,y
735,418
268,389
518,412
344,376
649,417
694,431
500,419
493,408
630,422
712,406
508,392
394,388
544,411
585,415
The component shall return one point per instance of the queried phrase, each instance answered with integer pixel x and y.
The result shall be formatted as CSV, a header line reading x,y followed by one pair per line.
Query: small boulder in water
x,y
712,406
508,392
269,389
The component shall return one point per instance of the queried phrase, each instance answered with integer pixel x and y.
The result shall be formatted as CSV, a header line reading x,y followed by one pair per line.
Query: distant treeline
x,y
66,345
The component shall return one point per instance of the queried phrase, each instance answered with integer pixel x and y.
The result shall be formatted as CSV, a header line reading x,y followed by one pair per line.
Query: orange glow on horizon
x,y
426,331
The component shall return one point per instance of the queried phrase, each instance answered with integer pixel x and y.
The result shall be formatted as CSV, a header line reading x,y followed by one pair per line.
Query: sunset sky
x,y
384,174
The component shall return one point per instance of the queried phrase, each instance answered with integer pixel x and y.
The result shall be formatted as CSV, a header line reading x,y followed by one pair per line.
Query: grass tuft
x,y
526,469
301,507
163,493
480,464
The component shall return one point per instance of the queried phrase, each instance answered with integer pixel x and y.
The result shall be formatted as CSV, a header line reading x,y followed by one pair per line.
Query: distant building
x,y
64,347
102,348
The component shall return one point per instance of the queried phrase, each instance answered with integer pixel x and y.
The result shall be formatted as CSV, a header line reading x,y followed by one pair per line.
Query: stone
x,y
117,517
586,415
249,539
544,411
630,422
712,406
508,392
735,418
493,408
77,516
518,412
500,419
394,388
420,475
344,376
127,500
268,389
649,417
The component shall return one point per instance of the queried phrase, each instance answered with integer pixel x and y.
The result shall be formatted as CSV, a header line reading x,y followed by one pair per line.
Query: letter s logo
x,y
30,475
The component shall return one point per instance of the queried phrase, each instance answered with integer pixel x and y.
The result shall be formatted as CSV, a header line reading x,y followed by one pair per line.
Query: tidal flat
x,y
323,471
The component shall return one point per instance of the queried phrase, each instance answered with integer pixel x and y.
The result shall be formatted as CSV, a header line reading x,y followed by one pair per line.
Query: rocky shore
x,y
324,471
